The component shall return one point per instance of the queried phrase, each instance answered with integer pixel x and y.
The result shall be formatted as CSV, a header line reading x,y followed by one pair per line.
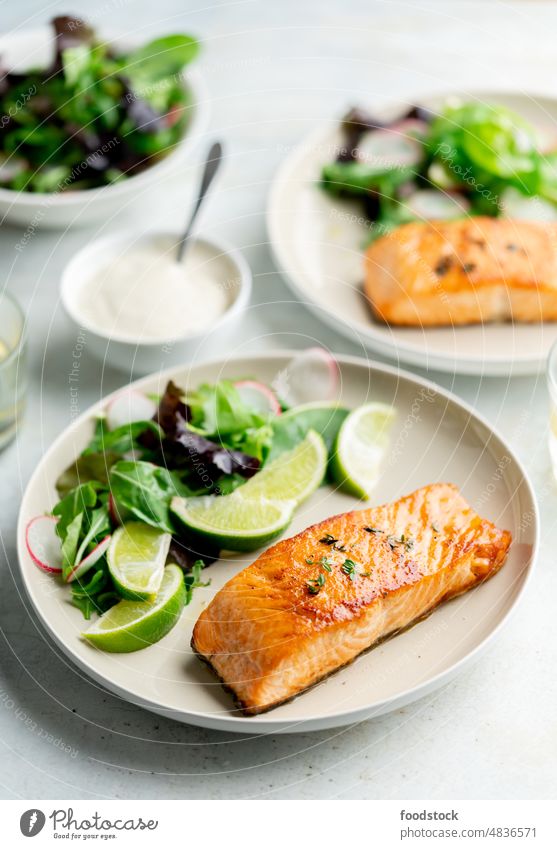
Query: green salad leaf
x,y
161,58
83,519
218,413
204,442
122,439
145,490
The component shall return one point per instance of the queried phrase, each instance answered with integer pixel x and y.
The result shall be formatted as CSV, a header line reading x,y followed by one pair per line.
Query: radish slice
x,y
410,127
516,205
43,544
440,177
387,150
258,397
90,560
312,375
429,204
129,407
10,167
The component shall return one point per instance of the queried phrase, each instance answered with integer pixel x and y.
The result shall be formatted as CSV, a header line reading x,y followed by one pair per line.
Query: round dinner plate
x,y
435,437
317,242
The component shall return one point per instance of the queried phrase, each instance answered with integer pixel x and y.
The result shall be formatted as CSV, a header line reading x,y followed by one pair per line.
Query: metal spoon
x,y
211,167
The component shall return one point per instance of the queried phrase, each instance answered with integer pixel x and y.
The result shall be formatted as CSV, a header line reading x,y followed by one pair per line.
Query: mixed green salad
x,y
165,484
471,159
94,116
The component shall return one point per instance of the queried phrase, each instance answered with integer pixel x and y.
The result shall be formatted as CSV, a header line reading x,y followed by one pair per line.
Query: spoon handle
x,y
212,162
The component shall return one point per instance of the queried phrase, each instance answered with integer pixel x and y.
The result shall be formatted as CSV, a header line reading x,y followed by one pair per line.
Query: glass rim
x,y
16,350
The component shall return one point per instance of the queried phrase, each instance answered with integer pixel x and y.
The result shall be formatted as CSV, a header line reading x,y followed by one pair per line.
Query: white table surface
x,y
275,69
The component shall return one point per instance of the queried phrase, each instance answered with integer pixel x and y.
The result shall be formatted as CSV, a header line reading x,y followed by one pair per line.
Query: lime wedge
x,y
136,559
232,522
133,625
359,448
292,476
262,508
292,427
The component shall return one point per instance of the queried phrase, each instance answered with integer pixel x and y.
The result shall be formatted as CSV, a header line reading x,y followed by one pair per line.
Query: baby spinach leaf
x,y
89,467
75,519
98,526
145,491
70,542
160,58
75,503
122,439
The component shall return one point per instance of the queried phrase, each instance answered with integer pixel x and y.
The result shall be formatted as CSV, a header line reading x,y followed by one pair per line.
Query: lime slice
x,y
232,522
292,476
133,625
262,508
136,559
359,448
292,427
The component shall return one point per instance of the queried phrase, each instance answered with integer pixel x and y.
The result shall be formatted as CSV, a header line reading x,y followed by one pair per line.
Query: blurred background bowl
x,y
21,51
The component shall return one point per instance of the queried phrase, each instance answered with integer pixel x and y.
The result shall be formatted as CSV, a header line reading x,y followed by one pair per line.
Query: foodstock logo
x,y
63,823
32,822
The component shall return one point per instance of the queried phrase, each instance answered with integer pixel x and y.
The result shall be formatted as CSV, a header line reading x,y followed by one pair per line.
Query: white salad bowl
x,y
34,48
139,356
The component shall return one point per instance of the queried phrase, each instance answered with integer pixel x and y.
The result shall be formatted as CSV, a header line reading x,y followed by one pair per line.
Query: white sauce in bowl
x,y
143,294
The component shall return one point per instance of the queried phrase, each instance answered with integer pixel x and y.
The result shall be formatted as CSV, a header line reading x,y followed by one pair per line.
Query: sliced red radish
x,y
440,177
429,204
43,544
412,127
516,205
173,115
128,407
10,167
312,375
90,560
258,397
387,150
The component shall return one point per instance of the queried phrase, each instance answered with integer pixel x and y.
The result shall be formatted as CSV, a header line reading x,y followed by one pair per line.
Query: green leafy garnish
x,y
218,412
314,585
349,568
192,580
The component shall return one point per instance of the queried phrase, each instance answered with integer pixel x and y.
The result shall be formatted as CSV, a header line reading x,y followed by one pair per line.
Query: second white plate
x,y
317,242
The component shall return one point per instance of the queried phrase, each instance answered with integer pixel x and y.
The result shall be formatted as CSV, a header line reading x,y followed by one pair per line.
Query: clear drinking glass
x,y
13,367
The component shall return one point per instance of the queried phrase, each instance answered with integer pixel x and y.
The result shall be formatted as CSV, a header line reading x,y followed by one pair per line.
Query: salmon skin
x,y
312,603
469,271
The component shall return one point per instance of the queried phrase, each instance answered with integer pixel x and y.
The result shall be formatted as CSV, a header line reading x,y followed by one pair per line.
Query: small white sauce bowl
x,y
141,356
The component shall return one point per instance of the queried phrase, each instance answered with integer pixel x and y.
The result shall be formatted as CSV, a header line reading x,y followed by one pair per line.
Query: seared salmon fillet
x,y
312,603
464,272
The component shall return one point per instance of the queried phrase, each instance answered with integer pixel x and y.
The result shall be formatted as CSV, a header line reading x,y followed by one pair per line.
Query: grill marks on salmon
x,y
469,271
271,632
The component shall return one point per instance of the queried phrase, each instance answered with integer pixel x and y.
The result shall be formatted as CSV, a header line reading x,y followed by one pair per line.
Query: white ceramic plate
x,y
435,438
317,243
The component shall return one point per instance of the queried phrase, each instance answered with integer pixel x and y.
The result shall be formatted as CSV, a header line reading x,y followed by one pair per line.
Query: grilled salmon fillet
x,y
278,627
464,272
